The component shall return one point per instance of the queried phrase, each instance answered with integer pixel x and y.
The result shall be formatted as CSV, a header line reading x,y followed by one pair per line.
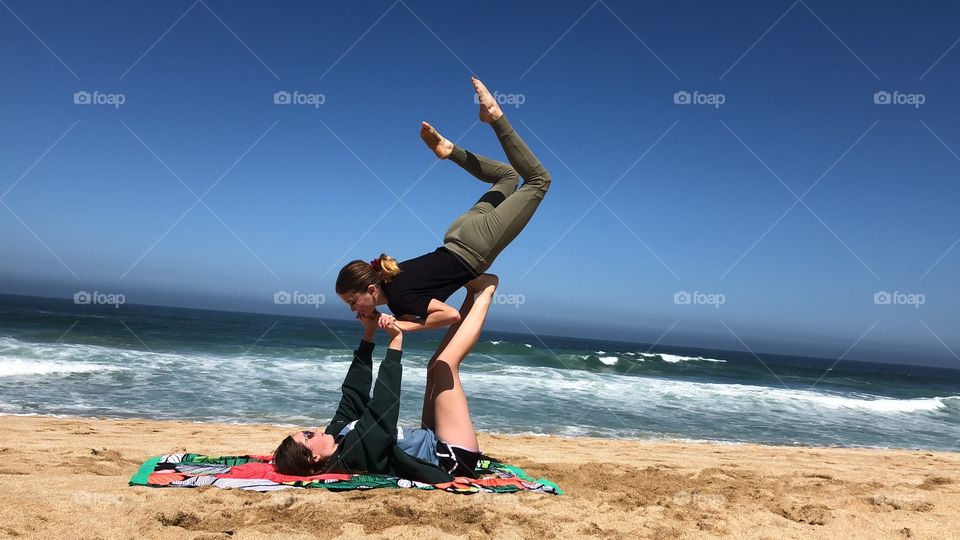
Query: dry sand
x,y
67,478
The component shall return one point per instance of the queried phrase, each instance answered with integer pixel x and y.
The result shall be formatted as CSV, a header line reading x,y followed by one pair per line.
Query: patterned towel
x,y
257,473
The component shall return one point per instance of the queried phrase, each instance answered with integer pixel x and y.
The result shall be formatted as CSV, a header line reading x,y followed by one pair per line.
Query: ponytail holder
x,y
375,264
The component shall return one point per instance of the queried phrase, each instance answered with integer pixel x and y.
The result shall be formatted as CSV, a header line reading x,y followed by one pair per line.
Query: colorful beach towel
x,y
256,473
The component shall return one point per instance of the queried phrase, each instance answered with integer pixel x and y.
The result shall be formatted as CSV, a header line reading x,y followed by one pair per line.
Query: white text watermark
x,y
98,298
516,100
883,97
82,97
282,97
698,98
897,298
515,300
297,298
697,298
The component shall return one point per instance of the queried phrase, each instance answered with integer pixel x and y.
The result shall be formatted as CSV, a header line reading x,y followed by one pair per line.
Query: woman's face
x,y
362,302
321,444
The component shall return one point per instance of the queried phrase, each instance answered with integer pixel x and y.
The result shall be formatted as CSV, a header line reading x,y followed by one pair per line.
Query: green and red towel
x,y
256,473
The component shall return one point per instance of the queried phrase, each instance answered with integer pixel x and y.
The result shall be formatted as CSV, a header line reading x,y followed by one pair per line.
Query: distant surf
x,y
140,361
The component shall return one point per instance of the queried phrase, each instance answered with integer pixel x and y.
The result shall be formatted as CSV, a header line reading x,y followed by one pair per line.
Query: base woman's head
x,y
358,283
304,453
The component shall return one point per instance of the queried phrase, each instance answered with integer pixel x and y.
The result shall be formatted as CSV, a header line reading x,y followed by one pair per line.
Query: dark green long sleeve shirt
x,y
371,446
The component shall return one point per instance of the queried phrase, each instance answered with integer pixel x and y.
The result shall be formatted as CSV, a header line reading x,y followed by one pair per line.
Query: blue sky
x,y
693,197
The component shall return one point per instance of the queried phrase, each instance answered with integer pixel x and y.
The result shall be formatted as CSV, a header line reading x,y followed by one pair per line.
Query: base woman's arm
x,y
355,390
377,425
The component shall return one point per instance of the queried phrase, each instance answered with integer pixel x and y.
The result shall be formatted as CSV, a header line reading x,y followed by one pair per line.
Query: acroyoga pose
x,y
415,290
363,436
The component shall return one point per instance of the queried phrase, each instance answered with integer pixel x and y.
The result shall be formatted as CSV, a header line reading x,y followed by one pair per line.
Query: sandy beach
x,y
67,477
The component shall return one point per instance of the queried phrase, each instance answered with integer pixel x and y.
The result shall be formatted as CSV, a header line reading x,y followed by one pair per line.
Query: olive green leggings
x,y
480,234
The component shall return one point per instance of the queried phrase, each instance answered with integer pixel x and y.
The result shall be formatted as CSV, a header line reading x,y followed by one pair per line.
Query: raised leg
x,y
451,415
497,219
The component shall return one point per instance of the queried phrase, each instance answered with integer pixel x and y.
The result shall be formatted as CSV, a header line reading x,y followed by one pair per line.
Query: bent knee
x,y
443,366
509,178
540,181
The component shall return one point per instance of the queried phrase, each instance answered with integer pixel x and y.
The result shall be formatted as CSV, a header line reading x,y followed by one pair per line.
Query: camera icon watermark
x,y
697,298
97,298
897,298
515,300
514,100
82,97
883,97
282,97
698,98
297,298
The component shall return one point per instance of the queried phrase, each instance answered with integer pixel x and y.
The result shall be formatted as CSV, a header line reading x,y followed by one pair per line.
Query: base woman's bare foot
x,y
484,283
440,146
489,110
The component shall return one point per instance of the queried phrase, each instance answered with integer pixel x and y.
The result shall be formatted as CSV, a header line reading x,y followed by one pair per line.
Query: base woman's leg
x,y
451,414
429,392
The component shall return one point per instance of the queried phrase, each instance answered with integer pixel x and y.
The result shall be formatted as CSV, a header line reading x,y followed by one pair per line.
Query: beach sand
x,y
67,478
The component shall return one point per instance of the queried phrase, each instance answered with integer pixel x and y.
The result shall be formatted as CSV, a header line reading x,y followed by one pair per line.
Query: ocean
x,y
60,358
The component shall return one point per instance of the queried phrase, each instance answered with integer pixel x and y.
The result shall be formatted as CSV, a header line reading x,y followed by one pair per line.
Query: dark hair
x,y
357,275
296,459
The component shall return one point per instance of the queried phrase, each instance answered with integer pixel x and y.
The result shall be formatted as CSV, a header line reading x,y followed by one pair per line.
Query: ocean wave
x,y
884,404
633,393
12,367
674,359
20,358
609,360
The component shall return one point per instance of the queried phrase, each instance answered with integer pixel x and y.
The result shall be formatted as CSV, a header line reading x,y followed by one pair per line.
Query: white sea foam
x,y
882,404
20,358
673,358
609,360
11,367
636,394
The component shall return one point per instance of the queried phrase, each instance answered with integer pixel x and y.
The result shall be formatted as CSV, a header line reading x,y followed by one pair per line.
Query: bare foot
x,y
483,284
489,110
440,146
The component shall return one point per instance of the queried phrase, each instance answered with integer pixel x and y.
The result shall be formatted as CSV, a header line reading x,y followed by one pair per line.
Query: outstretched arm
x,y
355,390
377,426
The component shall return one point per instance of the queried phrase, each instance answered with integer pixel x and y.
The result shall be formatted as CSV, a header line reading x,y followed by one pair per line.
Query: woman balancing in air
x,y
415,290
363,436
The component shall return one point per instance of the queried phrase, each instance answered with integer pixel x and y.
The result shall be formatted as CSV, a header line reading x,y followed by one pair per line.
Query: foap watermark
x,y
515,300
97,298
89,498
883,97
697,298
698,98
700,500
515,100
897,298
297,298
282,97
82,97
